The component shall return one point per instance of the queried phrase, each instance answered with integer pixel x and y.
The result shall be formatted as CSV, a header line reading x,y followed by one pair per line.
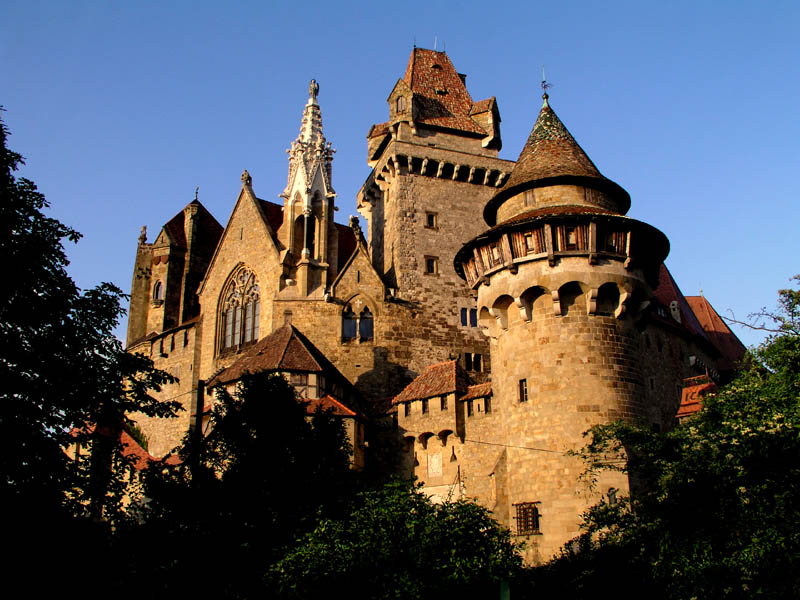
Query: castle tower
x,y
562,277
434,166
308,234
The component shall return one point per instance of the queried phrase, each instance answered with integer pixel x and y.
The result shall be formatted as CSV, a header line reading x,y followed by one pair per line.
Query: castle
x,y
493,346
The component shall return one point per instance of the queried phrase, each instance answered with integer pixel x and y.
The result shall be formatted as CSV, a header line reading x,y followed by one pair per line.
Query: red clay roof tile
x,y
551,154
328,402
479,390
731,348
435,380
439,91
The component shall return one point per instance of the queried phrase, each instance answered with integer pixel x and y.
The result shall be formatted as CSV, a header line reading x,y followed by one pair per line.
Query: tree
x,y
65,377
263,475
715,506
395,543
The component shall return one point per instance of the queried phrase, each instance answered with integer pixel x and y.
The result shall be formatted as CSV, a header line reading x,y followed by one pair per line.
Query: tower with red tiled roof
x,y
434,165
562,278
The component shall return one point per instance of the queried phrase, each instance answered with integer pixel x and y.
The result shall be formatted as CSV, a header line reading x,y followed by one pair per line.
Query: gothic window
x,y
348,324
357,323
527,518
240,311
365,325
401,104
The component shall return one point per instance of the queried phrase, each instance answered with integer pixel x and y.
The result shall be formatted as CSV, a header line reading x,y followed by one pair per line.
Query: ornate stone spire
x,y
311,151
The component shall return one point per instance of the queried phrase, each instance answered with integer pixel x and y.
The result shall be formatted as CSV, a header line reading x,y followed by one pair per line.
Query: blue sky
x,y
123,108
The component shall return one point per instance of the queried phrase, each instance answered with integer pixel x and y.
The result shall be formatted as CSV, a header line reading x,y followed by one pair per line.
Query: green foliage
x,y
63,372
715,508
262,475
395,543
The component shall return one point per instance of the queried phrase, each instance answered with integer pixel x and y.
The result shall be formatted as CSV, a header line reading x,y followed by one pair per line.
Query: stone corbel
x,y
424,166
556,303
500,178
524,310
591,302
471,174
455,171
439,170
501,323
624,297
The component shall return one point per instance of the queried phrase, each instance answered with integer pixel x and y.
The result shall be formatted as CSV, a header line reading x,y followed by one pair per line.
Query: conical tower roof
x,y
551,156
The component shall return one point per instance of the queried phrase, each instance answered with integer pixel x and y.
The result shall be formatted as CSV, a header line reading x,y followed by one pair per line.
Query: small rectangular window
x,y
443,402
477,363
530,198
527,518
464,317
523,390
431,220
571,238
468,361
425,406
469,408
406,409
473,317
431,265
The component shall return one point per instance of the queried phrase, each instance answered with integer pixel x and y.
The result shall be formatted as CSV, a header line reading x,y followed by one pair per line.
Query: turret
x,y
562,279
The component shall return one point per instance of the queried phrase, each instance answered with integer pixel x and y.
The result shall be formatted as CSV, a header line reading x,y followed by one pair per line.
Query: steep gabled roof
x,y
479,390
439,92
435,380
274,214
551,156
208,229
667,292
328,402
731,348
347,245
285,349
175,228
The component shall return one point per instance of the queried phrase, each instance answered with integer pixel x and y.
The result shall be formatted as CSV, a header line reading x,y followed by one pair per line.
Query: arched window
x,y
365,325
348,324
158,291
240,311
357,325
401,104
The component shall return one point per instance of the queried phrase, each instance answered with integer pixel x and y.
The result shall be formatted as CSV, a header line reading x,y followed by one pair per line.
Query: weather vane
x,y
196,191
545,85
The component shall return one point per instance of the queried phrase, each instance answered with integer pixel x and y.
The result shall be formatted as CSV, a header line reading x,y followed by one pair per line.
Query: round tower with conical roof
x,y
563,277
